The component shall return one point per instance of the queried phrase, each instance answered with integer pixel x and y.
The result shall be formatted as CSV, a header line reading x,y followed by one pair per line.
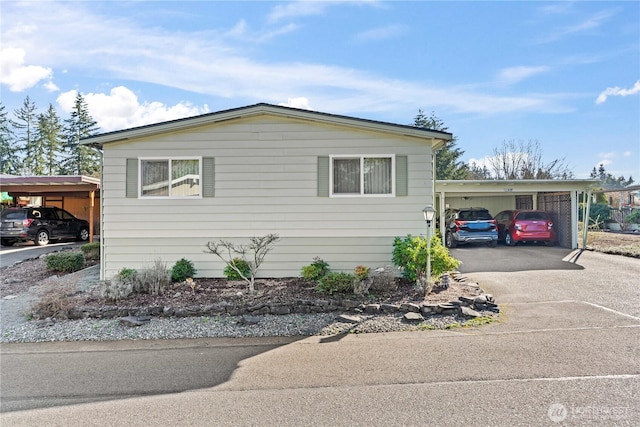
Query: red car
x,y
525,226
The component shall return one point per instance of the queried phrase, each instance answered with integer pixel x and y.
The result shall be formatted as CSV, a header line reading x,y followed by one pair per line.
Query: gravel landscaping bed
x,y
19,290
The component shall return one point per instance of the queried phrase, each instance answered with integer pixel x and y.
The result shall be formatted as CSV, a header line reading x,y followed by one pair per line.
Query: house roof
x,y
437,138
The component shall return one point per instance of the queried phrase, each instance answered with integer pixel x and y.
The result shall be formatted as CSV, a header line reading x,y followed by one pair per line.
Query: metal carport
x,y
560,198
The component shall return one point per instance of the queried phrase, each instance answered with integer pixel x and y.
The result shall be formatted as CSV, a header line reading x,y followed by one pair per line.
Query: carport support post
x,y
428,212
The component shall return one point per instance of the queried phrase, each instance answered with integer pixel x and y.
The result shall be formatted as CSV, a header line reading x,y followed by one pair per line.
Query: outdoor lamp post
x,y
429,212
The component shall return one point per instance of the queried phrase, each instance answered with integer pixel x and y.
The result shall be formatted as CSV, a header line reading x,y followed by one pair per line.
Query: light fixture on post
x,y
429,213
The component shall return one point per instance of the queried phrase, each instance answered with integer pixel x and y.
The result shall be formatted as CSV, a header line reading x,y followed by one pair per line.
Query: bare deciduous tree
x,y
524,160
228,251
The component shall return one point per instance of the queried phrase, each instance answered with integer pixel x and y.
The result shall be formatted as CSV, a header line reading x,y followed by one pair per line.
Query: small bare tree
x,y
258,246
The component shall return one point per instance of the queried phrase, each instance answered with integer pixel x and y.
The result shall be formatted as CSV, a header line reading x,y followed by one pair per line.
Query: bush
x,y
182,269
316,270
231,274
66,262
336,282
55,301
153,280
599,213
410,254
633,217
91,251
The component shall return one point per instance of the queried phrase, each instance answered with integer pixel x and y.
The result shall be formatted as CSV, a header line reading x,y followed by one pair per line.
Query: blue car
x,y
470,225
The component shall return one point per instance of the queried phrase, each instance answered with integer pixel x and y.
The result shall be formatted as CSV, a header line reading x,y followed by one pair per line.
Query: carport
x,y
560,198
74,193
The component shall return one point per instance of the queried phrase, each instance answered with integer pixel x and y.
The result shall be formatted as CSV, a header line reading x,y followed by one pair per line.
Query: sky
x,y
565,74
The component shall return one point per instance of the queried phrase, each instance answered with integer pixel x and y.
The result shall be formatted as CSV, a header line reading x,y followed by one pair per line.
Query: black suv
x,y
470,225
40,225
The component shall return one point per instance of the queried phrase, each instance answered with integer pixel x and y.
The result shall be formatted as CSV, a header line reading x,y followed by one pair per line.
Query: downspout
x,y
102,263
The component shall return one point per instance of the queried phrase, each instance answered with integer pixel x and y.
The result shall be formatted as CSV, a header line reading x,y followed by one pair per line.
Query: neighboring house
x,y
335,187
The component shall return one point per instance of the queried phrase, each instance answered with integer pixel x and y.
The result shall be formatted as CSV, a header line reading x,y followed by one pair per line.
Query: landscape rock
x,y
134,321
469,312
345,318
413,317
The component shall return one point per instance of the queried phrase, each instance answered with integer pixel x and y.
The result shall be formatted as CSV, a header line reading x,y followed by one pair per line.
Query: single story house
x,y
331,186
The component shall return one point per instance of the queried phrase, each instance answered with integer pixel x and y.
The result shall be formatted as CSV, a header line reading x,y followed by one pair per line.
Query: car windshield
x,y
532,216
475,215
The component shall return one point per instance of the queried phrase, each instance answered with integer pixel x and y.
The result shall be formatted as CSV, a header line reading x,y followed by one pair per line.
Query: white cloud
x,y
206,63
18,76
590,23
515,74
298,8
617,91
51,87
627,154
120,109
301,102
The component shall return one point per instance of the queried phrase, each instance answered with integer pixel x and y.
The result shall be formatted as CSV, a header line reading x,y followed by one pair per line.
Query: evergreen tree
x,y
447,164
9,160
82,160
25,125
50,136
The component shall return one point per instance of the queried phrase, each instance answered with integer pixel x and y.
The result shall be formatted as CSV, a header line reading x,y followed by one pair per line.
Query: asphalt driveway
x,y
530,257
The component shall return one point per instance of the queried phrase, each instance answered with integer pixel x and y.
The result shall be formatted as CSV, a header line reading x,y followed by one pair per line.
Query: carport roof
x,y
514,186
48,184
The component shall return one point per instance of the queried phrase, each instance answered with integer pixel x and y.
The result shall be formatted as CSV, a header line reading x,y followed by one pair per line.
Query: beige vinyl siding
x,y
265,182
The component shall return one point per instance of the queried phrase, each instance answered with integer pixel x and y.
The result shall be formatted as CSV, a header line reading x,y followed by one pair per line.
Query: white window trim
x,y
169,159
362,157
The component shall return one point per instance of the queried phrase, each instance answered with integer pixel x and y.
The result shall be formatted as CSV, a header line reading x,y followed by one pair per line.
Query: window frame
x,y
170,160
362,157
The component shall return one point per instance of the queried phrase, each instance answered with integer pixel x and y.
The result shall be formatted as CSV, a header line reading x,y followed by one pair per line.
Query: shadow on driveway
x,y
527,257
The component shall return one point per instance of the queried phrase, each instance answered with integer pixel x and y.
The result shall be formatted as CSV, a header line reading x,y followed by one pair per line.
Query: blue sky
x,y
566,74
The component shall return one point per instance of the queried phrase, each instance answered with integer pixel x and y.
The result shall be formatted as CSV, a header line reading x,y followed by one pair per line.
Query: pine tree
x,y
447,164
25,125
50,136
82,160
9,160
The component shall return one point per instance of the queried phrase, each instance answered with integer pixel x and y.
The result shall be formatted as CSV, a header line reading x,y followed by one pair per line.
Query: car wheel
x,y
449,241
7,242
83,236
550,243
508,240
42,238
492,244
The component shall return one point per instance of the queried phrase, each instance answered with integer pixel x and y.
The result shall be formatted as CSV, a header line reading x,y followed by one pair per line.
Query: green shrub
x,y
633,217
91,251
231,274
410,254
316,270
66,262
182,269
336,282
599,213
127,275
